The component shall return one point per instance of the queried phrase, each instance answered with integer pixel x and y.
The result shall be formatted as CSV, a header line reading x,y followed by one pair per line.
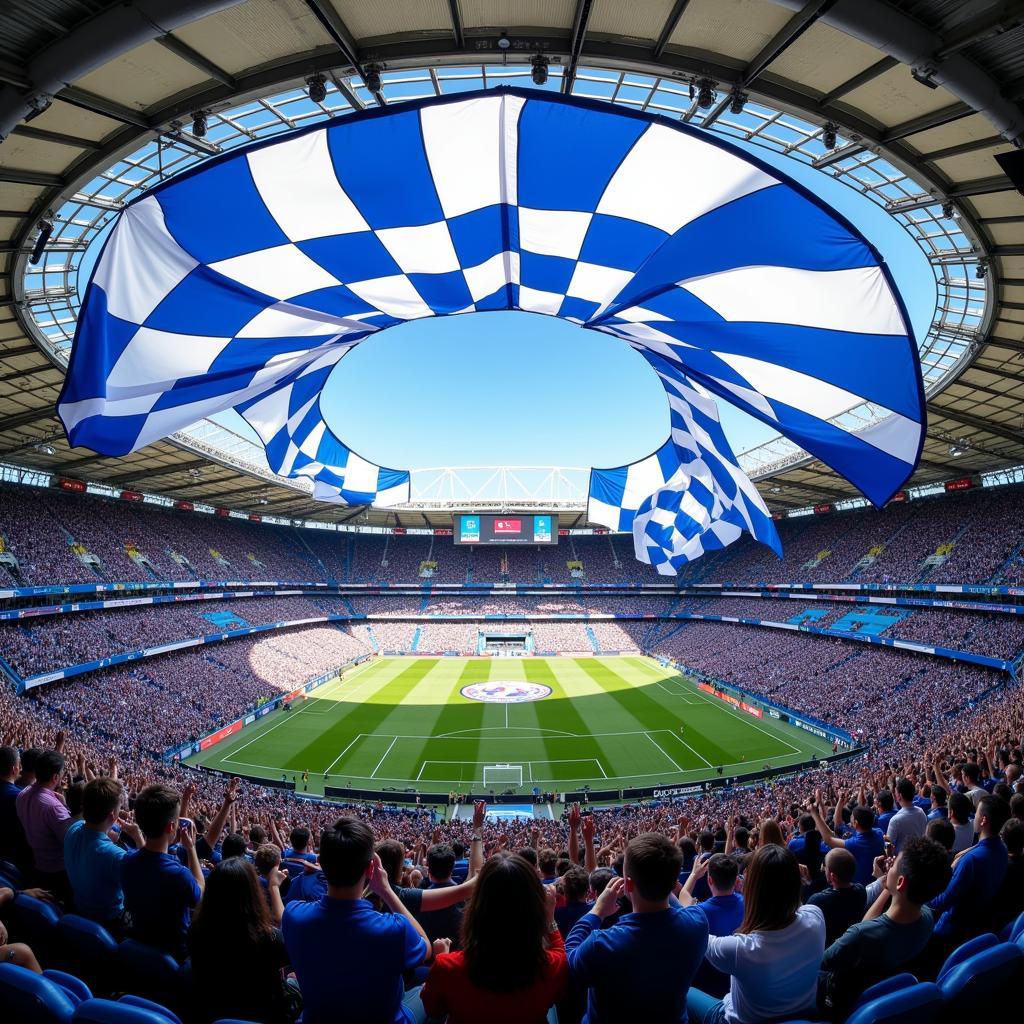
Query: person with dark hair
x,y
809,850
446,923
895,930
865,844
886,809
159,891
234,845
235,951
547,865
45,819
267,862
13,844
774,956
943,832
300,838
575,884
939,797
93,859
964,907
973,790
365,984
512,966
843,902
909,821
724,913
641,968
1009,901
961,814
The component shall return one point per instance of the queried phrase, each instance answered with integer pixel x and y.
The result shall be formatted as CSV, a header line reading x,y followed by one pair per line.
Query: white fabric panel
x,y
72,413
360,475
797,389
643,478
287,320
296,180
426,249
669,179
535,301
282,272
487,277
134,287
855,300
156,358
553,232
464,143
267,415
395,296
603,514
596,283
896,435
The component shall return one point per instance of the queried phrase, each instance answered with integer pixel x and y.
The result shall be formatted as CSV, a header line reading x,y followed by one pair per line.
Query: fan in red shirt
x,y
512,966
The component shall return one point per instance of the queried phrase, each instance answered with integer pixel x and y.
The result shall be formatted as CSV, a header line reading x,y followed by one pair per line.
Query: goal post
x,y
508,775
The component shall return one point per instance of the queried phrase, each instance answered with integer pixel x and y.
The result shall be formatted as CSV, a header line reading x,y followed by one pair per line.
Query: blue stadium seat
x,y
991,973
27,996
1014,930
34,922
920,1004
87,949
896,983
154,974
74,986
13,874
970,948
103,1011
148,1004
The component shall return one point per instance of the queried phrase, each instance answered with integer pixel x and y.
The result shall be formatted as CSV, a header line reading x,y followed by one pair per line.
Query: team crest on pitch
x,y
508,692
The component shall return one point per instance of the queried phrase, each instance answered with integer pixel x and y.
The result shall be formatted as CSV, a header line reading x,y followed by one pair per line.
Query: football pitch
x,y
434,724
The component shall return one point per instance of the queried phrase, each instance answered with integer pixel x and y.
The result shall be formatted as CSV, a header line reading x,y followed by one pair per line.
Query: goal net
x,y
508,775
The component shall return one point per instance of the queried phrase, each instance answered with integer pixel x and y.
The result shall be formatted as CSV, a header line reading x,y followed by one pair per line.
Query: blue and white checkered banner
x,y
242,282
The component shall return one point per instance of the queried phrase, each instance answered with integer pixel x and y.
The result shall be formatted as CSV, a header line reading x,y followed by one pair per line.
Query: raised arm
x,y
213,833
589,854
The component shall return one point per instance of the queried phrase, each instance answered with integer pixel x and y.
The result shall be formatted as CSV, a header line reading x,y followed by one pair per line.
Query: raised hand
x,y
441,946
608,902
587,825
479,814
574,816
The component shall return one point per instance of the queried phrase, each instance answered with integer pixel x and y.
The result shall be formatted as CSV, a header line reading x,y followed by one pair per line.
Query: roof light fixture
x,y
539,69
828,135
45,230
737,100
706,92
199,123
316,85
372,77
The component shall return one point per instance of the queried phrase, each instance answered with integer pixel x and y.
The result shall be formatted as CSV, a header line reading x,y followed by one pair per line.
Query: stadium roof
x,y
924,92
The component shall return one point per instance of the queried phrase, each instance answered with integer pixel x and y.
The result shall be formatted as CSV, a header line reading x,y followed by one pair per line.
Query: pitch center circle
x,y
505,691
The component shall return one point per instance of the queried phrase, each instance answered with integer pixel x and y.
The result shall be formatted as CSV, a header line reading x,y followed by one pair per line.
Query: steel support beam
x,y
978,423
576,41
26,131
23,419
197,60
865,76
669,28
338,31
456,15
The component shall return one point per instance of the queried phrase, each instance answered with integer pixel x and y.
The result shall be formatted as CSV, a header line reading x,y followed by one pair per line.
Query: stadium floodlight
x,y
829,135
706,92
284,255
199,123
45,231
316,86
981,270
372,78
737,100
539,69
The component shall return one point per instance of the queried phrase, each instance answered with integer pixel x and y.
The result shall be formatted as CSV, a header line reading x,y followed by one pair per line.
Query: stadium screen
x,y
508,529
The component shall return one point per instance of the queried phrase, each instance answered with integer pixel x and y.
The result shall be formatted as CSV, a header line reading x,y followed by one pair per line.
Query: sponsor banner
x,y
248,720
772,713
665,794
220,734
751,710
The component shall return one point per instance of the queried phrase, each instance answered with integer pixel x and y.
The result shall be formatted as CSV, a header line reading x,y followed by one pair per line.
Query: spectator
x,y
379,948
774,957
895,929
159,891
512,966
909,822
865,844
446,923
724,912
13,844
93,860
236,952
575,885
640,968
843,902
45,819
967,902
1009,901
960,813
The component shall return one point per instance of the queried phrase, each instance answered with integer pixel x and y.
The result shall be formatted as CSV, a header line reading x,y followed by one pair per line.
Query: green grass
x,y
609,723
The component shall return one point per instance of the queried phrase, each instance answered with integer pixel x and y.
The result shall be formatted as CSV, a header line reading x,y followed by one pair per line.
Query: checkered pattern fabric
x,y
241,283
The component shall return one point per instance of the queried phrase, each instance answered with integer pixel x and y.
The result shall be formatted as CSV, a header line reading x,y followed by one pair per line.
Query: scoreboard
x,y
506,529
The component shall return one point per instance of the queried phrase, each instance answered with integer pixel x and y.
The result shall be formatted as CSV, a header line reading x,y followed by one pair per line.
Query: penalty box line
x,y
526,764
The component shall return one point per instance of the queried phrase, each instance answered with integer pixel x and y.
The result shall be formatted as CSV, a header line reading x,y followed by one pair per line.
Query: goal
x,y
509,775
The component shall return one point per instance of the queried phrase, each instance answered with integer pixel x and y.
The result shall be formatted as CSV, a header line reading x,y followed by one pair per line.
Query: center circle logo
x,y
506,692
